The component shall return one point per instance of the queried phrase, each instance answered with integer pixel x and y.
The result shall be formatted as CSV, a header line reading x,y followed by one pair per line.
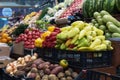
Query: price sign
x,y
7,12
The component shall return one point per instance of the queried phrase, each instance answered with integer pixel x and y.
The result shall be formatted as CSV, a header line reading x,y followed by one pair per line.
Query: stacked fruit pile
x,y
29,37
91,6
39,69
5,38
32,17
107,23
81,36
48,38
77,4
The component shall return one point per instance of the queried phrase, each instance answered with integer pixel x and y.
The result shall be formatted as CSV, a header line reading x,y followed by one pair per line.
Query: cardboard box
x,y
3,63
4,51
18,48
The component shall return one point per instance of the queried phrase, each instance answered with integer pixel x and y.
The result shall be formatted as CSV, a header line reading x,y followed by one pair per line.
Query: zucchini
x,y
102,27
107,18
108,35
113,28
96,25
100,21
94,21
96,14
103,12
116,35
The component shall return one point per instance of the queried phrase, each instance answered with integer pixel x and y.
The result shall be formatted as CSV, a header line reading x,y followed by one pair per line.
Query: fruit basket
x,y
78,59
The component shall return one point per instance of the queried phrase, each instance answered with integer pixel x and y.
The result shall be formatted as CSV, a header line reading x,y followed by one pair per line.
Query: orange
x,y
9,38
4,35
4,40
10,41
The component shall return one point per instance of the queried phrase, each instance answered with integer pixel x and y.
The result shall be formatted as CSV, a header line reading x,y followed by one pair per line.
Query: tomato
x,y
30,36
27,30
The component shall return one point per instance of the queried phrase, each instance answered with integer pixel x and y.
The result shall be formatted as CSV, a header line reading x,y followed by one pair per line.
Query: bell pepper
x,y
85,49
82,34
68,42
83,43
38,42
45,34
51,28
100,47
99,37
108,43
96,42
64,63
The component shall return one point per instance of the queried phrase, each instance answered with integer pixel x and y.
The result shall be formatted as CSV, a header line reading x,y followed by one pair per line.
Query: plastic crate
x,y
79,59
95,75
6,76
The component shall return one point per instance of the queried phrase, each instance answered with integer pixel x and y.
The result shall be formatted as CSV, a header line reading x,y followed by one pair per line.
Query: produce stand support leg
x,y
32,52
1,76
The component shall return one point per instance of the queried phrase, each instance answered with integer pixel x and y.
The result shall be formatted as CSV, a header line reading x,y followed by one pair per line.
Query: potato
x,y
63,78
51,67
69,78
56,65
41,72
31,75
57,70
20,68
45,77
38,77
40,66
68,73
38,61
47,71
70,70
60,75
28,64
34,66
74,74
46,66
27,69
19,73
34,70
52,77
43,65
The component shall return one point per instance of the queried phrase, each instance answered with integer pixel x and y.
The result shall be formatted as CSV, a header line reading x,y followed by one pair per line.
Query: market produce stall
x,y
74,40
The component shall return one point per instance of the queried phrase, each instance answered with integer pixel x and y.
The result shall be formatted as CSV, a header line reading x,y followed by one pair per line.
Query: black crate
x,y
79,59
96,75
6,76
